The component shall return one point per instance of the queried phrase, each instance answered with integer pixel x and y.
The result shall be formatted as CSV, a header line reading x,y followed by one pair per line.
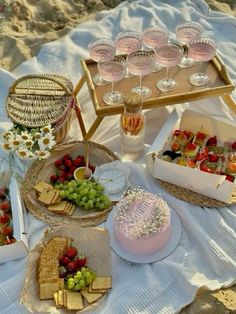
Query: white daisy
x,y
6,147
26,136
22,153
7,135
37,136
15,142
29,143
46,142
46,129
42,154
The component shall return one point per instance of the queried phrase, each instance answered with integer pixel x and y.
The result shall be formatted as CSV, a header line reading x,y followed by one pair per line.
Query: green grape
x,y
87,274
77,287
69,184
70,285
71,190
74,196
88,281
90,203
83,270
82,283
76,279
79,274
62,193
84,198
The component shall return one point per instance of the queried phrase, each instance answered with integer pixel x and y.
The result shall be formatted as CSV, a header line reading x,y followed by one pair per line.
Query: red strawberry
x,y
61,179
234,146
71,252
58,163
203,154
91,167
68,163
212,141
66,156
7,230
64,260
62,173
53,178
78,162
230,178
80,157
81,261
191,146
201,135
69,176
213,157
72,266
72,169
5,206
4,218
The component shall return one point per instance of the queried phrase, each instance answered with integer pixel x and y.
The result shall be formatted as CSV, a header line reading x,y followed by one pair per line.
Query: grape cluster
x,y
85,194
82,279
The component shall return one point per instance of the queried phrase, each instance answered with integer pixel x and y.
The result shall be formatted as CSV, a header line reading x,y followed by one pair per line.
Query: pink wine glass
x,y
141,63
102,49
112,71
201,50
155,36
186,32
127,43
168,56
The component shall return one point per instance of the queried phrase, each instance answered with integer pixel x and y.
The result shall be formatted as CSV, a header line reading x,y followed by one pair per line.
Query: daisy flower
x,y
46,129
29,143
6,147
42,154
26,136
46,142
7,135
22,153
15,142
37,136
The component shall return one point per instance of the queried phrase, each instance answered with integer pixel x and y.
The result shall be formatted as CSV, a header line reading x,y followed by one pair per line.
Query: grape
x,y
70,285
76,279
79,274
77,287
82,283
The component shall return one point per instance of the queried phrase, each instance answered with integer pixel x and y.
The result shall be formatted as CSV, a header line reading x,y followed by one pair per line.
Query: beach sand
x,y
26,24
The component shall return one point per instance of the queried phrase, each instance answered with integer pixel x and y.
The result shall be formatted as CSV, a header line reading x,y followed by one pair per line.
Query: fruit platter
x,y
54,192
198,153
69,270
13,235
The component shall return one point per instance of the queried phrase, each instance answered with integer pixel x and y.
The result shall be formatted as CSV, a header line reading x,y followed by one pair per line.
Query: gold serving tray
x,y
219,85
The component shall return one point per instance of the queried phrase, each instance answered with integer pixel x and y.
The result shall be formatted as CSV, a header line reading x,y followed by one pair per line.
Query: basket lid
x,y
37,100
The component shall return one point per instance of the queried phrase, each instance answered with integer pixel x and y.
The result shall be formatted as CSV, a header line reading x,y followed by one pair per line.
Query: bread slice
x,y
101,283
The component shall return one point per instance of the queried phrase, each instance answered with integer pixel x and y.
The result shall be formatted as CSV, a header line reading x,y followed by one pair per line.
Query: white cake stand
x,y
176,232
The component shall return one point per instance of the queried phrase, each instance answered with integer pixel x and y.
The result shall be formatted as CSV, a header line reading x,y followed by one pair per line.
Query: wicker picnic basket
x,y
37,100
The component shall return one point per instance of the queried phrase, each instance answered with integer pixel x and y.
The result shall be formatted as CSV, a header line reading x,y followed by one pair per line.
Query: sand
x,y
26,24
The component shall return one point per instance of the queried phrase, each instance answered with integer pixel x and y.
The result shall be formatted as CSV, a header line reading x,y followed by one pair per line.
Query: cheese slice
x,y
113,180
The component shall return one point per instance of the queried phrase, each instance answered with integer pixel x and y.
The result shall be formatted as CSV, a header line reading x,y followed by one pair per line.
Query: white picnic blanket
x,y
206,255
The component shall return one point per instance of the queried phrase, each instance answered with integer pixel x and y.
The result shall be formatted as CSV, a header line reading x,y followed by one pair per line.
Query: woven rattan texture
x,y
191,196
41,212
35,101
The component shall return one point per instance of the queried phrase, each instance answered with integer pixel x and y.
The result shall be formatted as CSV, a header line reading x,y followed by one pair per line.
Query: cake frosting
x,y
142,222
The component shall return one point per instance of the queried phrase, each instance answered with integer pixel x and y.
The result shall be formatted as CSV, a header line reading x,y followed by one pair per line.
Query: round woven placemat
x,y
191,196
41,212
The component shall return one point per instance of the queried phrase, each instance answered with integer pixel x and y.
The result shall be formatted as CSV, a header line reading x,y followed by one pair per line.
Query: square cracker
x,y
91,297
47,197
101,283
74,301
41,186
96,291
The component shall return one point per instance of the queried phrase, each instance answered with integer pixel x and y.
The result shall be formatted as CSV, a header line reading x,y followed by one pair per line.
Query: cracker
x,y
47,289
74,301
91,297
95,291
60,298
101,283
41,186
47,197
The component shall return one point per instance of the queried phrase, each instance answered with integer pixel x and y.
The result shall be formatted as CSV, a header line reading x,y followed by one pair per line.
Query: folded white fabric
x,y
206,254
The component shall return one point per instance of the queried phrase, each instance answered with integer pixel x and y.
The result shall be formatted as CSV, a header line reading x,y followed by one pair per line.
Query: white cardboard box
x,y
212,185
18,249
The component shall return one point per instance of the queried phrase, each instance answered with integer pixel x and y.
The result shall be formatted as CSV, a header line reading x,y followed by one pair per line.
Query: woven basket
x,y
99,154
37,100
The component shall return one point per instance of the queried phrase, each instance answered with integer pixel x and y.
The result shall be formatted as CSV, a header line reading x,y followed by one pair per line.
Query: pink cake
x,y
142,222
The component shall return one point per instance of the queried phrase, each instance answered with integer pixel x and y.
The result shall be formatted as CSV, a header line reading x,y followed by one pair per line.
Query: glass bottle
x,y
132,125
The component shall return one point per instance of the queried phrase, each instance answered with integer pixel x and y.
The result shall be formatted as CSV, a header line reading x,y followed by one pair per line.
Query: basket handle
x,y
16,82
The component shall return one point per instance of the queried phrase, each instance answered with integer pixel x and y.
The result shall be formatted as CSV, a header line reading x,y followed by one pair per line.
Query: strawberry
x,y
212,141
230,178
213,157
53,178
7,230
71,252
5,206
72,266
201,135
77,162
64,260
203,154
92,168
81,260
233,146
68,163
4,218
61,179
58,163
69,176
72,169
191,146
66,156
62,173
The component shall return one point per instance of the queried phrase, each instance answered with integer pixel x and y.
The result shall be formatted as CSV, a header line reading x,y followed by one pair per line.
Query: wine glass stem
x,y
200,67
140,82
167,73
